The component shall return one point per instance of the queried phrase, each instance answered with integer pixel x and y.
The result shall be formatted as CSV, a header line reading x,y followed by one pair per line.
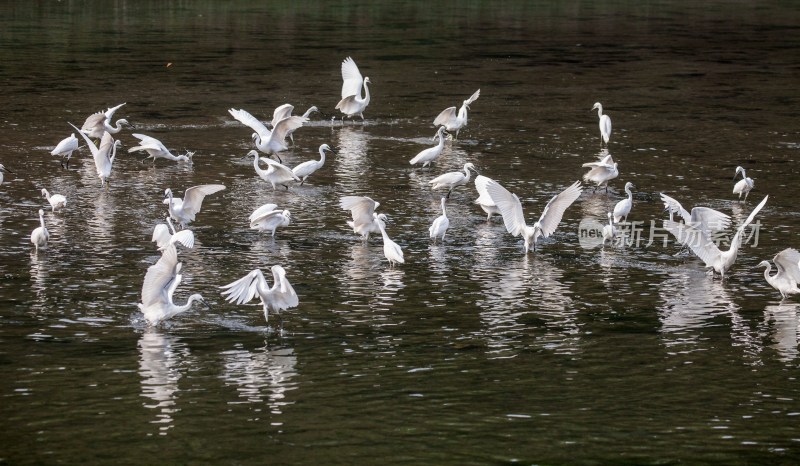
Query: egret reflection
x,y
784,323
261,375
160,359
351,162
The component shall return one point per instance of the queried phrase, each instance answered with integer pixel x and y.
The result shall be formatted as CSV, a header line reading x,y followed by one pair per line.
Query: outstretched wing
x,y
474,97
161,235
483,194
284,111
509,205
709,219
351,77
89,143
283,296
286,126
674,207
159,276
445,117
788,260
244,289
185,237
147,142
261,211
246,118
695,239
753,214
361,208
109,114
554,210
193,197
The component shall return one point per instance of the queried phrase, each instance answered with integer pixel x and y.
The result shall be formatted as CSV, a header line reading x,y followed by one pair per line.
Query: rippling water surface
x,y
470,352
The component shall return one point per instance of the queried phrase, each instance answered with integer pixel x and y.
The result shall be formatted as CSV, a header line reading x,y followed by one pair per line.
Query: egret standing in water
x,y
57,201
455,121
160,283
305,169
484,199
362,208
429,155
609,231
40,235
744,185
157,150
98,123
2,170
440,225
391,250
605,123
65,148
623,207
276,298
267,218
275,174
103,162
266,140
788,264
165,235
352,103
184,210
602,171
452,180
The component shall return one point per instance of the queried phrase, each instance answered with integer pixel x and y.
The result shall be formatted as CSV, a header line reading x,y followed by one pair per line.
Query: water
x,y
471,352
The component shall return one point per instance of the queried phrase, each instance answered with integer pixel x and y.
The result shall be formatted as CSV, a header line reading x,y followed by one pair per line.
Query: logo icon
x,y
590,233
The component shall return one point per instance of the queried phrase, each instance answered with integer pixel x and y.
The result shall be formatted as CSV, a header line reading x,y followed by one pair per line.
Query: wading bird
x,y
391,250
157,150
455,121
788,264
57,201
103,162
484,199
285,111
269,141
440,225
184,210
40,235
160,282
514,219
266,218
605,123
352,103
275,174
602,171
744,185
165,235
623,207
276,298
452,180
65,148
98,123
362,208
305,169
702,218
609,231
429,155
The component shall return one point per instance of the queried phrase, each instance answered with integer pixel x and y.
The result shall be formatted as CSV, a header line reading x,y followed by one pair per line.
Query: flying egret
x,y
285,111
269,141
703,218
267,218
362,208
352,103
514,219
744,185
165,235
65,148
429,155
440,225
701,243
788,264
305,169
57,201
102,160
452,180
276,298
623,207
391,250
184,210
98,123
157,150
609,231
453,121
275,174
3,169
602,171
605,123
160,282
40,235
484,199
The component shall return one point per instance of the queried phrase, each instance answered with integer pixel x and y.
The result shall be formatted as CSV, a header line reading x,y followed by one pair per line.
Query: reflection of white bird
x,y
514,219
429,155
362,208
623,207
269,141
484,199
3,169
40,235
744,185
98,123
352,103
605,123
609,231
277,298
57,201
701,243
440,225
160,282
704,218
65,148
164,236
452,180
275,174
788,264
157,150
266,218
452,121
601,171
184,210
392,250
305,169
103,162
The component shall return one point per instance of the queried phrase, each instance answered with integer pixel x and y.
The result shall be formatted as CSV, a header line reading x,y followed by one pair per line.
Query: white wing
x,y
148,142
361,207
674,207
483,195
709,219
67,144
89,142
509,205
445,118
261,211
101,157
753,213
282,112
281,170
554,210
161,235
286,126
158,279
109,114
284,295
185,237
787,260
474,97
695,239
244,289
351,77
246,118
193,197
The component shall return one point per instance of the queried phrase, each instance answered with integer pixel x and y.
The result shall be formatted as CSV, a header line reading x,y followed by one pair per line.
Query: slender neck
x,y
113,129
322,156
258,168
188,305
466,173
767,271
444,211
628,190
599,110
41,219
366,93
462,112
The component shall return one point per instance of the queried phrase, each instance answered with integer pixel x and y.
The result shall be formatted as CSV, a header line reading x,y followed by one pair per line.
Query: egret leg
x,y
302,181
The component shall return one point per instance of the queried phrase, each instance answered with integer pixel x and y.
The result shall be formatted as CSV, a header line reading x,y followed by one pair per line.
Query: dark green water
x,y
471,352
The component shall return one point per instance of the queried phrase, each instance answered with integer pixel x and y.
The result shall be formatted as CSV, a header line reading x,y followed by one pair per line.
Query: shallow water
x,y
471,352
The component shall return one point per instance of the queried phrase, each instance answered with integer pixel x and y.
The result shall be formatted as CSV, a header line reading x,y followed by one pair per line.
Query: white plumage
x,y
267,218
65,148
266,140
57,201
165,235
157,150
275,174
98,123
40,235
276,298
788,276
160,283
352,103
623,207
455,121
452,180
743,186
103,162
484,199
602,171
306,169
391,250
440,224
362,208
604,123
184,210
429,155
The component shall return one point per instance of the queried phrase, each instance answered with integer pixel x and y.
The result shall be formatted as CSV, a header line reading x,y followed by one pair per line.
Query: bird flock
x,y
695,230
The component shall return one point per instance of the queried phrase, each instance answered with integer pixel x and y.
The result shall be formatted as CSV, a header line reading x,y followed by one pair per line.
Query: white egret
x,y
310,110
2,170
788,264
452,180
429,155
57,201
285,111
701,243
440,225
609,231
267,218
623,207
40,235
352,103
514,219
165,235
605,123
362,208
275,174
157,150
704,218
744,185
602,171
102,160
98,123
484,199
160,282
184,210
455,121
269,141
65,148
276,298
391,250
305,169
